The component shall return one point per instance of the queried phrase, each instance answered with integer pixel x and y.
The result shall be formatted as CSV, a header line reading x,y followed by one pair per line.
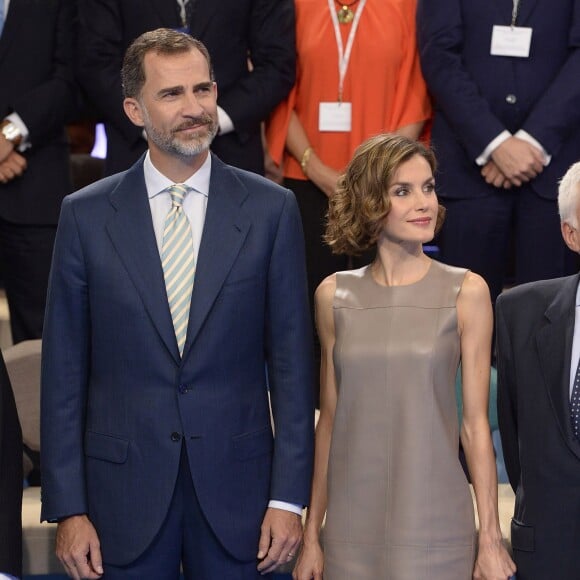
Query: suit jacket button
x,y
511,99
175,436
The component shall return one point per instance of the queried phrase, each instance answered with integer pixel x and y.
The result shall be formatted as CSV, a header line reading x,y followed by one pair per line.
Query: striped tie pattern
x,y
178,262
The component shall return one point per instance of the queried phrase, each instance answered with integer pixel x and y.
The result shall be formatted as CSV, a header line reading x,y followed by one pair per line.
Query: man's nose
x,y
192,105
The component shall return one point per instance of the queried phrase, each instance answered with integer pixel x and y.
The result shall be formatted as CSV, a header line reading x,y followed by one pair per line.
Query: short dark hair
x,y
358,208
161,41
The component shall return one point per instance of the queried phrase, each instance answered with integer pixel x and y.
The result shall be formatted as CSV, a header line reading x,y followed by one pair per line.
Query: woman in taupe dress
x,y
387,472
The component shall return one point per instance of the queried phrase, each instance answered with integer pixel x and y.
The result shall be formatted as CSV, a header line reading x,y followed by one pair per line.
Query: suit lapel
x,y
525,9
202,14
10,30
131,232
224,232
554,343
504,8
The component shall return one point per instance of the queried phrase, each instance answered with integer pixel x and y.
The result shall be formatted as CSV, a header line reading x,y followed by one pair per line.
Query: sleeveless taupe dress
x,y
399,505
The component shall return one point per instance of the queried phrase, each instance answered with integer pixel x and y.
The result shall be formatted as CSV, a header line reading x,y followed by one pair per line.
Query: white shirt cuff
x,y
486,153
7,577
525,136
283,505
225,122
24,144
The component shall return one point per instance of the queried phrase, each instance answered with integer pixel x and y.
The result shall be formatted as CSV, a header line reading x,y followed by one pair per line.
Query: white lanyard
x,y
344,55
515,12
182,12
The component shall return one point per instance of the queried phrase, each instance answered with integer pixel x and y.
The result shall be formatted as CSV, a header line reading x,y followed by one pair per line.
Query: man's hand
x,y
518,160
13,166
78,548
279,540
6,147
492,175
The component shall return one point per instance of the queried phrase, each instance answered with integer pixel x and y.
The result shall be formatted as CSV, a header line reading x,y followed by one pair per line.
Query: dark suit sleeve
x,y
507,396
10,480
50,103
440,35
65,364
290,365
102,45
556,115
272,51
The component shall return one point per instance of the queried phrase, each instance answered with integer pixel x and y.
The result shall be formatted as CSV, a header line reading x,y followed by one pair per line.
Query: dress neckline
x,y
374,282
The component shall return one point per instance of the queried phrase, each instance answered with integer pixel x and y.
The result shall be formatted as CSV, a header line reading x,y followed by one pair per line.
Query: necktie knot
x,y
177,193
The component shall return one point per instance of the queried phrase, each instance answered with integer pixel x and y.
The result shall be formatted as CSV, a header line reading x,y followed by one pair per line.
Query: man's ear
x,y
571,236
133,111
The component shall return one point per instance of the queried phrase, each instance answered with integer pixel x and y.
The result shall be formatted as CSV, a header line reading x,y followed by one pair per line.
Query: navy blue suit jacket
x,y
10,479
116,394
535,327
470,87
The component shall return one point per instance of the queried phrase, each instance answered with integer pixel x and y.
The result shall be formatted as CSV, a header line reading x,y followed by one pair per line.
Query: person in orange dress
x,y
358,75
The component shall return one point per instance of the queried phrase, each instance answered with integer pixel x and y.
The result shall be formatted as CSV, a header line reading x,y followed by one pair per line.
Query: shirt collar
x,y
156,182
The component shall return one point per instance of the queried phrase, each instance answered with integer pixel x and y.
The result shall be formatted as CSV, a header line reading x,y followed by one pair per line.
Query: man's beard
x,y
195,144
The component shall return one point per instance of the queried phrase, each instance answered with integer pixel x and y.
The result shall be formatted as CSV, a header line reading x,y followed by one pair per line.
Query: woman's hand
x,y
310,562
493,561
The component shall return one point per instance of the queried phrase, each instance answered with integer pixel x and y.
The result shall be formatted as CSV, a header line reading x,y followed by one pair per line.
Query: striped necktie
x,y
575,404
178,262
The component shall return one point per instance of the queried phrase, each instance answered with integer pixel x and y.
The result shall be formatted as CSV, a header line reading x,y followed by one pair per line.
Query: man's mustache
x,y
193,122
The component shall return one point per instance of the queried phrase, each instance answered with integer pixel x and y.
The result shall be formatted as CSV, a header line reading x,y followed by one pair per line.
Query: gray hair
x,y
569,195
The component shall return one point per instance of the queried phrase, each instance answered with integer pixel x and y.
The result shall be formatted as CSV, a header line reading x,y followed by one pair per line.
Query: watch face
x,y
11,132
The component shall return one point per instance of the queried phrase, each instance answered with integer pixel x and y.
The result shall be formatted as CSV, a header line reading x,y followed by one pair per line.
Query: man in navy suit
x,y
538,340
233,31
37,97
156,454
504,78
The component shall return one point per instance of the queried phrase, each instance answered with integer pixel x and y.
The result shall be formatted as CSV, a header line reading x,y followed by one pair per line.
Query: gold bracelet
x,y
305,158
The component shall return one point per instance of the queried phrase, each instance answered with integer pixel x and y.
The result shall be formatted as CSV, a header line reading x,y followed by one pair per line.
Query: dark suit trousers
x,y
477,234
25,257
185,538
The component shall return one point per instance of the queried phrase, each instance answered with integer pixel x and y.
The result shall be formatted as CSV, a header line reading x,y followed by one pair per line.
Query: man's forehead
x,y
167,64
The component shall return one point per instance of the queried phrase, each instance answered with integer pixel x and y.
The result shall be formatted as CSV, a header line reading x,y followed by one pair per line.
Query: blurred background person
x,y
504,78
10,481
392,335
234,31
37,97
358,75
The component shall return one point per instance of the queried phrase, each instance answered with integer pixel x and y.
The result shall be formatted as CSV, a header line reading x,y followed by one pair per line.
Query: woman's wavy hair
x,y
357,210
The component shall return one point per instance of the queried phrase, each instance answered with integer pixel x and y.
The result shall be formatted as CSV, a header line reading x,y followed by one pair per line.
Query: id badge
x,y
336,117
511,41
